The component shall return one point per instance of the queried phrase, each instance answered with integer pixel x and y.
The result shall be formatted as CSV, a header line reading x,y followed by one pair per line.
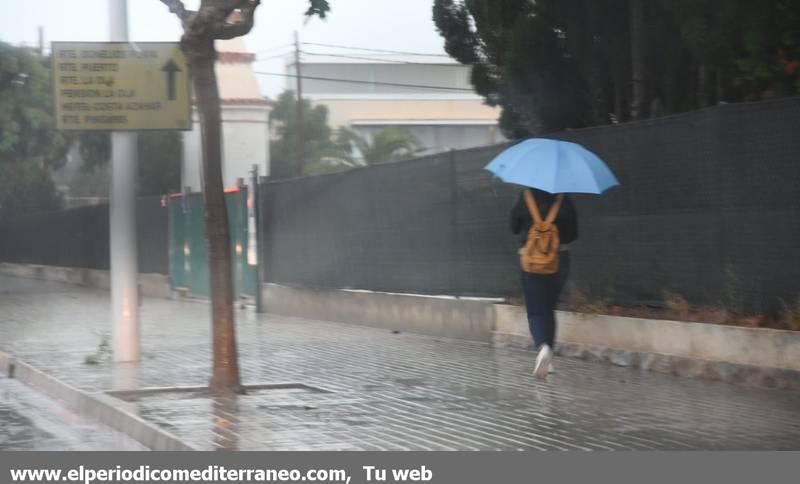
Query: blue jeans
x,y
541,298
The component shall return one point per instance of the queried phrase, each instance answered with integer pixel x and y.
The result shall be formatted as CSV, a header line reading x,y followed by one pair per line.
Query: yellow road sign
x,y
120,86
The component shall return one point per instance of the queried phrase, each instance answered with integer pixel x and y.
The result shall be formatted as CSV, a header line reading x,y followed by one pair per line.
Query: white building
x,y
245,121
430,96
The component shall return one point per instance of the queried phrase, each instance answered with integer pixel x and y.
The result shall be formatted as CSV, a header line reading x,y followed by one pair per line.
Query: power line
x,y
366,49
276,56
376,83
355,57
273,49
385,61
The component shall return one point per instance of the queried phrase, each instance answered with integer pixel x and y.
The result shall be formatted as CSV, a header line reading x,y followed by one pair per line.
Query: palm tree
x,y
389,144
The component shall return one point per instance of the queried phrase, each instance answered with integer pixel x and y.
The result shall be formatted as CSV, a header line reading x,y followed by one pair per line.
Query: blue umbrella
x,y
553,166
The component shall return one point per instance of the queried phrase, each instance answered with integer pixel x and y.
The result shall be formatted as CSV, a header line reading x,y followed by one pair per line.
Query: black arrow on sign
x,y
171,68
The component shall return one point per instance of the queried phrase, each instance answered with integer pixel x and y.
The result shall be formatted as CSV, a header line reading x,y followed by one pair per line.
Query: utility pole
x,y
298,77
122,213
41,41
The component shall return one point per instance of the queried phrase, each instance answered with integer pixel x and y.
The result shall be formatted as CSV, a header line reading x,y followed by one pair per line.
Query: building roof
x,y
236,79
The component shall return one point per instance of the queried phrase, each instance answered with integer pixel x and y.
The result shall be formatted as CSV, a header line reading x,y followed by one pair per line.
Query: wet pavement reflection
x,y
31,421
375,389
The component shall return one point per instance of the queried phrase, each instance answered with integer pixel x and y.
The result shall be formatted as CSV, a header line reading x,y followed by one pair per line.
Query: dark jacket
x,y
567,220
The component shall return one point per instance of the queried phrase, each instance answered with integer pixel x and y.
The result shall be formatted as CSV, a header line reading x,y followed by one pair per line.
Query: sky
x,y
403,25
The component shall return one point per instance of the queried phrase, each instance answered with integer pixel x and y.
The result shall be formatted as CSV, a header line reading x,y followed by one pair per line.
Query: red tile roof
x,y
236,57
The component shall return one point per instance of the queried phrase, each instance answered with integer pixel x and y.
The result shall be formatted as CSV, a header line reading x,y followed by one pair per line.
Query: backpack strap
x,y
532,207
551,217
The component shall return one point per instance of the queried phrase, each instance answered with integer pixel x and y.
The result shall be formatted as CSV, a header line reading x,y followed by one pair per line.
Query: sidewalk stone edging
x,y
751,376
99,407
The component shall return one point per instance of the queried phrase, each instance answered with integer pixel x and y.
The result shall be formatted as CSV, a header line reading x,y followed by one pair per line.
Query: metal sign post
x,y
121,87
124,264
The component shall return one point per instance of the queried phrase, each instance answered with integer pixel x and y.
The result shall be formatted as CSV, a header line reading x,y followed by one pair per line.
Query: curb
x,y
100,407
748,376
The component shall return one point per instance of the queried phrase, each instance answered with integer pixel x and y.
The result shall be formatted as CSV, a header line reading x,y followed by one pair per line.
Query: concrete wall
x,y
507,325
713,342
424,315
152,285
245,141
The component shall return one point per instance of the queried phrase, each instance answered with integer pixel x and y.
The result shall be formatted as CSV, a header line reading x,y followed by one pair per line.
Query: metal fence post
x,y
255,219
455,246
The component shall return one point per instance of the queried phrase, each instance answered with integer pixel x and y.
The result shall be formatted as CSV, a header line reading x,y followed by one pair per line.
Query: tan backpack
x,y
542,251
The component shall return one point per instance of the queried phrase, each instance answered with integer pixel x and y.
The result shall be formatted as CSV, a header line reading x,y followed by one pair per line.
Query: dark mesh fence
x,y
709,210
382,228
79,237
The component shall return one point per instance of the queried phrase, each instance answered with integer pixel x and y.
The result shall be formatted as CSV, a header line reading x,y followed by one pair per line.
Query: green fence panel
x,y
189,245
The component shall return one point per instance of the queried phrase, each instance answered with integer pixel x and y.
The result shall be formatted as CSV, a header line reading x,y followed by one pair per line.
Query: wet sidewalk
x,y
330,386
31,421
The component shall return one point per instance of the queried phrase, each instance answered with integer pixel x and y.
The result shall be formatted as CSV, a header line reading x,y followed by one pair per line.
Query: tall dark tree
x,y
770,37
315,131
521,61
638,58
30,146
159,156
554,64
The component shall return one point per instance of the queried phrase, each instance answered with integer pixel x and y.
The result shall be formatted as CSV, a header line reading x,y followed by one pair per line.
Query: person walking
x,y
546,216
548,224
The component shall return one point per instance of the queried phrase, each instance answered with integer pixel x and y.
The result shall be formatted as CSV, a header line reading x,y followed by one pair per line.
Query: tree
x,y
30,146
159,158
160,154
389,144
218,19
638,58
519,62
324,150
315,132
770,36
555,64
201,29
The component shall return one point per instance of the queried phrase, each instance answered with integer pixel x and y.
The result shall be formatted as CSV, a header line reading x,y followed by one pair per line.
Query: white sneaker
x,y
544,362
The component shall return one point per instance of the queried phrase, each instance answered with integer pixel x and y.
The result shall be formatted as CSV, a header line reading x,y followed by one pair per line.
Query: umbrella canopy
x,y
553,166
